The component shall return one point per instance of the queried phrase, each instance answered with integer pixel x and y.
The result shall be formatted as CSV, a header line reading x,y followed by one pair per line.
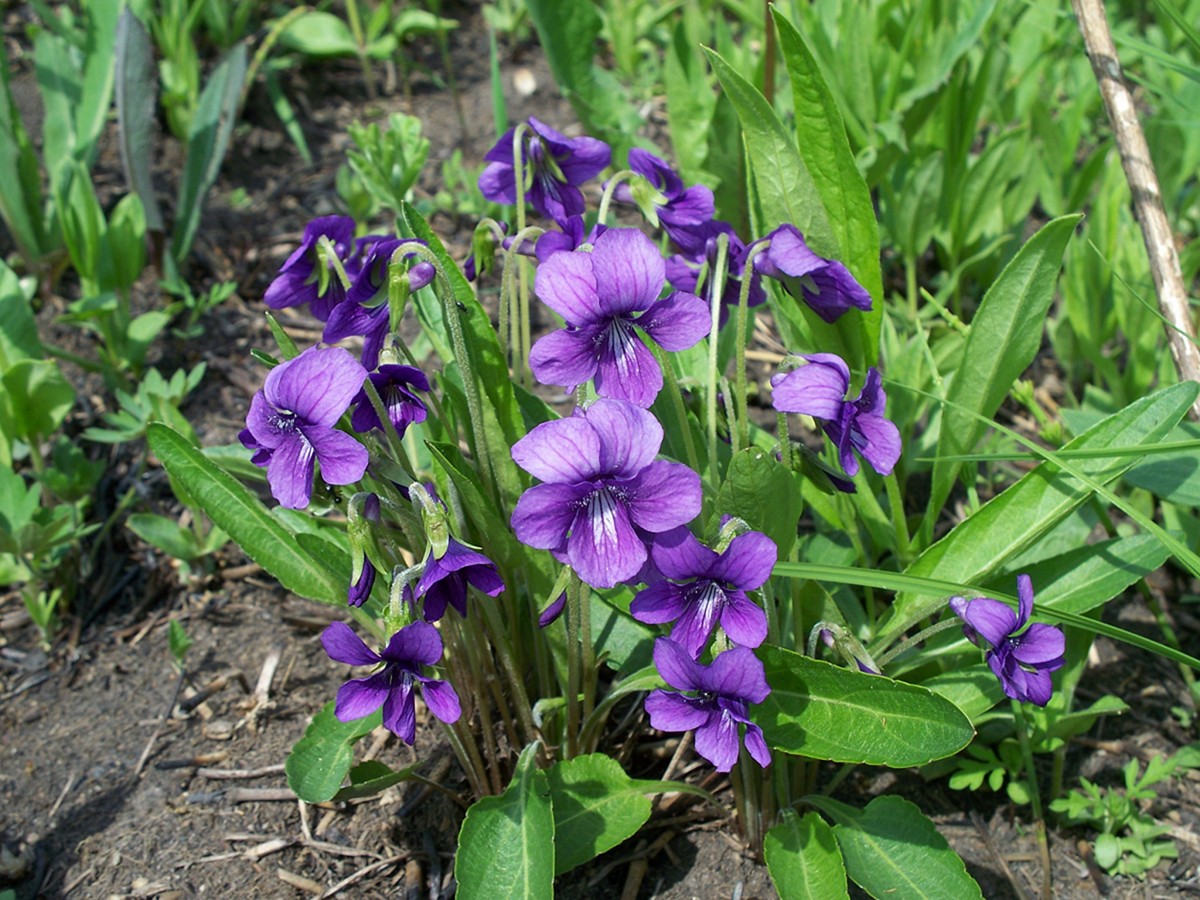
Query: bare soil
x,y
120,777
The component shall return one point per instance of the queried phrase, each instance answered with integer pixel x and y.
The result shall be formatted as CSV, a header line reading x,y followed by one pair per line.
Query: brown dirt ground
x,y
109,762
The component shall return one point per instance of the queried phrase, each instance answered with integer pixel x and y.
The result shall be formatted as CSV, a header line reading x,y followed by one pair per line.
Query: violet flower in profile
x,y
572,236
724,690
298,279
1022,658
360,587
680,209
700,251
818,389
704,588
366,310
291,422
602,486
607,297
395,385
553,166
824,284
407,653
444,581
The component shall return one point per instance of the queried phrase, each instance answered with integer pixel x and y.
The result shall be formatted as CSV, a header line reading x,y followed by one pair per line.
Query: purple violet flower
x,y
553,166
723,689
601,486
297,281
573,234
683,271
682,209
444,581
411,649
366,310
598,294
818,389
395,385
1021,659
291,422
824,284
715,589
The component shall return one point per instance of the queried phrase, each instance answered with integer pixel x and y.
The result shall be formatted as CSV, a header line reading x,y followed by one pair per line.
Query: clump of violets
x,y
818,389
716,704
553,166
702,587
607,297
824,284
291,424
404,659
1021,657
602,490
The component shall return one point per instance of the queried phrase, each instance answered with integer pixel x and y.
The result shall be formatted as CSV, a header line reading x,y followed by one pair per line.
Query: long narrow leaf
x,y
136,85
208,139
243,516
1004,338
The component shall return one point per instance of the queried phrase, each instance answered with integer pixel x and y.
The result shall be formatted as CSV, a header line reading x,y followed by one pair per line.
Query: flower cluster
x,y
604,504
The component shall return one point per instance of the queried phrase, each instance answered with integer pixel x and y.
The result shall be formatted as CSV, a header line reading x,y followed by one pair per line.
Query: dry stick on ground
x,y
1143,184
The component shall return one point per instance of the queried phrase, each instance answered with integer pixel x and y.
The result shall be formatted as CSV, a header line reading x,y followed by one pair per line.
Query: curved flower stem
x,y
1035,798
609,188
922,635
743,311
715,288
390,434
510,304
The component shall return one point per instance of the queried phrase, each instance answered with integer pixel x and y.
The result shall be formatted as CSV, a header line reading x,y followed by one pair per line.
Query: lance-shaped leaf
x,y
803,858
320,761
823,711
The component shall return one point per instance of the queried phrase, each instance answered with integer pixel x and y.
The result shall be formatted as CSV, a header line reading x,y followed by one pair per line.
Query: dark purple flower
x,y
1021,659
444,581
394,384
602,485
818,389
411,649
681,210
360,590
598,294
298,282
713,589
360,587
824,284
573,234
291,422
366,310
553,610
683,271
553,166
723,690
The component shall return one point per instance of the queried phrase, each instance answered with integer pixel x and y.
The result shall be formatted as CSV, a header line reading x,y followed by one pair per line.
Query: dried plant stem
x,y
1143,184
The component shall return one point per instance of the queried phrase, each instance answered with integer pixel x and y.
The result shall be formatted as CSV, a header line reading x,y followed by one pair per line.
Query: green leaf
x,y
826,712
1020,515
596,807
1004,338
18,329
319,33
689,110
821,139
244,518
178,641
99,73
506,844
20,178
39,397
136,85
208,139
320,760
165,534
370,778
18,501
973,689
763,492
892,850
803,858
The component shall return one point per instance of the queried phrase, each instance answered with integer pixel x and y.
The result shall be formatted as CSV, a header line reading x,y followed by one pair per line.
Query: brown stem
x,y
1143,185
